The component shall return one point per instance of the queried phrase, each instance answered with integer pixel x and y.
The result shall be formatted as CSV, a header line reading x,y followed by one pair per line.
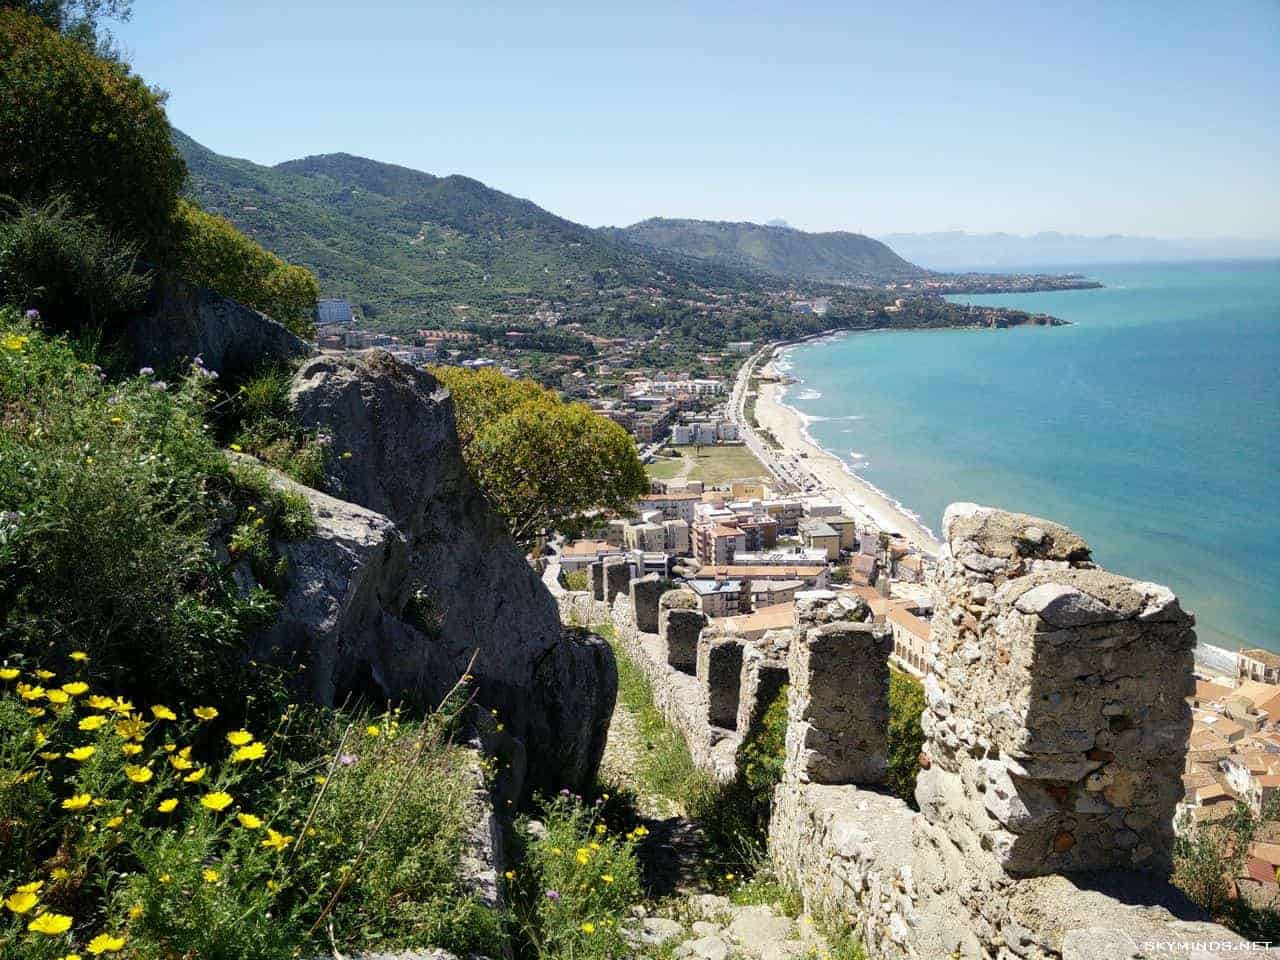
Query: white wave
x,y
856,455
809,395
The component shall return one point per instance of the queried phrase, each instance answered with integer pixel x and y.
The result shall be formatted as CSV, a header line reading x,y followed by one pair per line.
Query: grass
x,y
711,464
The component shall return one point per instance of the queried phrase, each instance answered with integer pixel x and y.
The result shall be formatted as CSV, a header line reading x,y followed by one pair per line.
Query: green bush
x,y
213,253
76,124
258,418
70,269
166,833
906,737
575,884
108,493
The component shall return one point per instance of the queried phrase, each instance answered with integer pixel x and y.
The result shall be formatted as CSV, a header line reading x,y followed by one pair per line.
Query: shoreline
x,y
865,502
799,452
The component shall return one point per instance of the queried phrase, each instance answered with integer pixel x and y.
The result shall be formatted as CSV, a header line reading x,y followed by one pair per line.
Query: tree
x,y
906,736
214,254
72,123
541,462
78,19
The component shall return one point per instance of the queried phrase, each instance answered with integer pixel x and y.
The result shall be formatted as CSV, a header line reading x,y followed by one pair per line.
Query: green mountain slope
x,y
778,251
411,246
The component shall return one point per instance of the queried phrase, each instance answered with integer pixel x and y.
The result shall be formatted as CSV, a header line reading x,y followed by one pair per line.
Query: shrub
x,y
75,124
107,496
1207,857
163,829
74,272
906,736
576,881
213,253
579,581
258,418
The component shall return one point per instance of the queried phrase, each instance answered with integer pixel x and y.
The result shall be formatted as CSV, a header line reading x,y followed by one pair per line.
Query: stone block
x,y
597,580
617,577
645,594
838,706
680,630
720,672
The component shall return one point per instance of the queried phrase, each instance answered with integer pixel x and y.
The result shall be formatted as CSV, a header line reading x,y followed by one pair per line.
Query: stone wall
x,y
1055,734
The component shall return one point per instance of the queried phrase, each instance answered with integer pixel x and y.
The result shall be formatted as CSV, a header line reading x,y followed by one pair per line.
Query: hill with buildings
x,y
776,250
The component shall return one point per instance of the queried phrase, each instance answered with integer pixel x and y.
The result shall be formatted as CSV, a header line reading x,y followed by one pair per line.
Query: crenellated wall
x,y
1056,728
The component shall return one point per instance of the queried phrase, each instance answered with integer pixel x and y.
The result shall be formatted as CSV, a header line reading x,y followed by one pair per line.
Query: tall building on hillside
x,y
333,311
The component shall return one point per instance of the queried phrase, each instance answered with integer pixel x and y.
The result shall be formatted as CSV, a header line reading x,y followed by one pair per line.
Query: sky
x,y
1123,116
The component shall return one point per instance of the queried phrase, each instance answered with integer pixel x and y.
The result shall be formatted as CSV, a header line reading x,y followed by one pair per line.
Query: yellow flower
x,y
179,762
36,711
195,776
728,876
99,702
276,841
25,777
135,911
510,874
57,697
254,751
45,674
28,692
583,856
51,924
75,688
105,943
130,728
248,821
161,712
210,876
168,805
22,901
131,749
78,802
79,656
80,754
8,673
238,738
170,747
59,873
14,342
217,801
235,446
122,706
588,927
138,774
600,828
32,887
607,877
92,722
165,878
50,755
372,730
205,713
593,845
114,823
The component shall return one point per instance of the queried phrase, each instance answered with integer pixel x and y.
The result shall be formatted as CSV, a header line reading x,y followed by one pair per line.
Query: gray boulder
x,y
411,573
181,322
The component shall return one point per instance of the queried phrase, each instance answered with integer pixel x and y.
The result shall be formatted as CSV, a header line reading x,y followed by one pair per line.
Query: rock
x,y
656,931
181,322
412,573
754,926
707,948
704,928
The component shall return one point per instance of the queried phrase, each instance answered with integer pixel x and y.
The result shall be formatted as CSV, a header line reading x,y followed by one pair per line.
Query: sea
x,y
1150,425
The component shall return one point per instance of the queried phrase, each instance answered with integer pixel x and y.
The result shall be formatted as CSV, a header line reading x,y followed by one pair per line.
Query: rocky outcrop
x,y
410,574
181,322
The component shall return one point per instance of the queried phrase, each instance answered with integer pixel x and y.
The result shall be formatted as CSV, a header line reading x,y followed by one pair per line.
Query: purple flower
x,y
146,371
347,759
564,792
33,314
553,894
199,361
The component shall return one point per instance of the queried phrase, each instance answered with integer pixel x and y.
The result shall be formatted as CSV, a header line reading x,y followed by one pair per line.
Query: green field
x,y
711,465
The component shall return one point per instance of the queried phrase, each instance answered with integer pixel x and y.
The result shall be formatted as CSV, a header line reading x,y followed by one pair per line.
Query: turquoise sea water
x,y
1151,426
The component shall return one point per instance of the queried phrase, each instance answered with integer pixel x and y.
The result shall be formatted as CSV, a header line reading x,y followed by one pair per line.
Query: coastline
x,y
862,500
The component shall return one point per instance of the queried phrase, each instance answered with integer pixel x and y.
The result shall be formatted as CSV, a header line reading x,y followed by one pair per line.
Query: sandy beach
x,y
862,501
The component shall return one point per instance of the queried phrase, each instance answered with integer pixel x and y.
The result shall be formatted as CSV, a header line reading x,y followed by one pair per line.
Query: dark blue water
x,y
1149,426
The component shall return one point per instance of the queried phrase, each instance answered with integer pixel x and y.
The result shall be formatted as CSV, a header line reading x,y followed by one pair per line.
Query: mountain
x,y
408,245
957,250
777,251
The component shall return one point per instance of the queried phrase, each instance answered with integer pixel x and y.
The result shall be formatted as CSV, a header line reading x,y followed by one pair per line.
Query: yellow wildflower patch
x,y
92,722
238,738
77,802
21,902
81,754
249,821
50,924
276,840
168,805
138,774
161,712
205,713
75,688
216,801
105,943
253,751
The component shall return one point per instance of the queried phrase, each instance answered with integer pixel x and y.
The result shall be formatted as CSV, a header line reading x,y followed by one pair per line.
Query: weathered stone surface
x,y
720,672
1002,535
645,594
680,623
597,580
761,680
838,704
617,577
181,322
427,535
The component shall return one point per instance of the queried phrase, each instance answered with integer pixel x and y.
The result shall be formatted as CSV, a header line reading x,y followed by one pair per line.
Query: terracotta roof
x,y
765,618
657,497
737,571
1209,690
909,622
584,548
1212,793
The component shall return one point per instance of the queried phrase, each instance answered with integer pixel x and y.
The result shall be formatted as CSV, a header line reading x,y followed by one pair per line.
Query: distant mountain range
x,y
401,243
957,250
775,250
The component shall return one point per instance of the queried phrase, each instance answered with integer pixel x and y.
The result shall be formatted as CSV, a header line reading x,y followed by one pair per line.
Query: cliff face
x,y
409,572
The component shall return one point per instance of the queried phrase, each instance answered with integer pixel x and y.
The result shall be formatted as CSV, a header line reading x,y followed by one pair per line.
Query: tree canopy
x,y
542,462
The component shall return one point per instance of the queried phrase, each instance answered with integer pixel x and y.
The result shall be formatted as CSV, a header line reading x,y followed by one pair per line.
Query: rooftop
x,y
1265,657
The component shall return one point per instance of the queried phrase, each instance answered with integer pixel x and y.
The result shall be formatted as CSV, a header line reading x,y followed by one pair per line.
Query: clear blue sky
x,y
1158,118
